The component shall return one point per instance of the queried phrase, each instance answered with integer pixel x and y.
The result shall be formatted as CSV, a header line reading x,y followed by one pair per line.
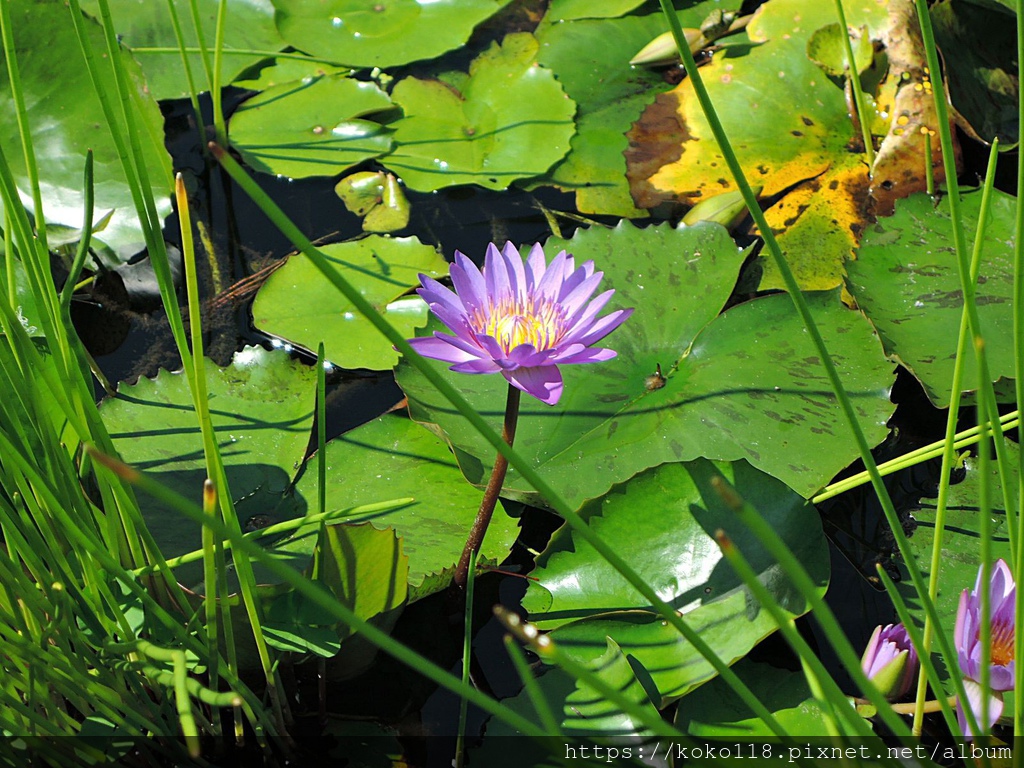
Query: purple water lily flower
x,y
890,660
519,320
967,639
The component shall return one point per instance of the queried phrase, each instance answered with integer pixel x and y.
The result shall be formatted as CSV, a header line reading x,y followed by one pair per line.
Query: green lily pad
x,y
370,33
583,714
377,198
961,542
568,10
979,47
827,49
299,304
509,120
392,457
663,523
906,280
591,60
748,385
277,71
145,26
262,411
65,120
715,711
312,127
363,567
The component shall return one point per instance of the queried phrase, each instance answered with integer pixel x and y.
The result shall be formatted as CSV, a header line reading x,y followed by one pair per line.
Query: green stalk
x,y
321,432
21,115
823,686
523,467
179,36
316,595
962,439
215,87
798,576
467,659
966,284
533,692
796,295
1018,367
858,93
211,452
985,533
917,640
209,557
949,452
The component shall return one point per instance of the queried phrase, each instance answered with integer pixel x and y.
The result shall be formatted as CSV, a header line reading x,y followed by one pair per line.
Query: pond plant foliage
x,y
198,563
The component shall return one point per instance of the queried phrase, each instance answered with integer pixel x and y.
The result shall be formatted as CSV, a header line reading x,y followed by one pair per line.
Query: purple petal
x,y
578,296
585,314
456,322
543,382
439,348
551,283
588,355
1001,678
974,699
477,366
490,346
468,282
573,278
433,292
516,269
496,275
603,327
536,265
527,356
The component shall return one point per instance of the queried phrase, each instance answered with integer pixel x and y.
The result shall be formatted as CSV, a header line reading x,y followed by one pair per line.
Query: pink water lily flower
x,y
890,661
967,640
521,320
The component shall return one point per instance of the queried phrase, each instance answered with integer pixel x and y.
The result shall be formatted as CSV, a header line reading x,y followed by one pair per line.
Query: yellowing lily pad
x,y
311,127
299,304
380,33
510,119
818,226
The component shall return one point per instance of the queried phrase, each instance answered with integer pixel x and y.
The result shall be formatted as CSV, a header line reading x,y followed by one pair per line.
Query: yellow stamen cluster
x,y
1002,643
516,320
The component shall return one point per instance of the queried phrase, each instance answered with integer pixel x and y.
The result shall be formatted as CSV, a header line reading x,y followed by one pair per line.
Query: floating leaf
x,y
961,541
311,127
299,304
509,120
392,457
714,711
906,280
248,26
827,49
376,197
278,71
262,410
370,33
591,61
748,385
979,48
568,10
584,715
65,120
817,226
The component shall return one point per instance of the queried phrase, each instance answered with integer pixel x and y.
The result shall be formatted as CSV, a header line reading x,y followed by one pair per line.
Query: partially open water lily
x,y
519,319
890,661
967,639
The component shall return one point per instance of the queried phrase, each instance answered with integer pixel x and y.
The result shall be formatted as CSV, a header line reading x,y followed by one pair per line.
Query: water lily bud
x,y
890,661
662,49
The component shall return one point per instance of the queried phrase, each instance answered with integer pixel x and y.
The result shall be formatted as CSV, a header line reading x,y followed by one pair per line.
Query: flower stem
x,y
483,517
